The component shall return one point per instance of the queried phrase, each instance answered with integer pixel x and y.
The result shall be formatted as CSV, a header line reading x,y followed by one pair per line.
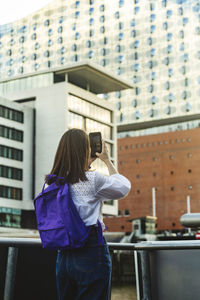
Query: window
x,y
50,43
185,21
137,115
91,21
170,72
154,100
60,29
149,41
11,133
188,107
169,13
134,103
169,36
47,22
181,34
165,25
152,17
136,44
102,19
77,35
171,97
10,192
11,153
37,46
102,29
11,114
126,212
60,40
12,173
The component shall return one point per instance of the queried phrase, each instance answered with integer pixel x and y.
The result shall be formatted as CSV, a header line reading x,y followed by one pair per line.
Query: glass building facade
x,y
154,44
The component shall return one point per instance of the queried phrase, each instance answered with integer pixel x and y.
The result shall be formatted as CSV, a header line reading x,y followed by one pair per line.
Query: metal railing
x,y
142,252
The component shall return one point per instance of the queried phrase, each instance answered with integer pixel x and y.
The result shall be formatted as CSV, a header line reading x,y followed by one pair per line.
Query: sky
x,y
12,10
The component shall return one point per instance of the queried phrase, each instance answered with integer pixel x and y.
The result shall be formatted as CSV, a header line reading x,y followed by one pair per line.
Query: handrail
x,y
146,245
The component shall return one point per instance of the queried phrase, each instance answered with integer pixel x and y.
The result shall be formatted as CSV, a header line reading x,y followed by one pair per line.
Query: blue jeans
x,y
84,274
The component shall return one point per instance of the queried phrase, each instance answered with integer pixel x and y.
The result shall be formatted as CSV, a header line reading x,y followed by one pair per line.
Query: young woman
x,y
85,273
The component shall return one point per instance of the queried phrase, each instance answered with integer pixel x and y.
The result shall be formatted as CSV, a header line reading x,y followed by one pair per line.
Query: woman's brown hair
x,y
71,159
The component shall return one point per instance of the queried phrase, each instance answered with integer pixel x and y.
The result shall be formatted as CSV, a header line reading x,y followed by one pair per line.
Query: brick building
x,y
170,162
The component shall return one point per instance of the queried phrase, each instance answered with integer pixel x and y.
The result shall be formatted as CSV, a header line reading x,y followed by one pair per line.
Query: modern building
x,y
38,110
155,44
16,161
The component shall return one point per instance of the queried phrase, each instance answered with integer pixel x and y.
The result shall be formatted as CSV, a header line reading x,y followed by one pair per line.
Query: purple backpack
x,y
58,220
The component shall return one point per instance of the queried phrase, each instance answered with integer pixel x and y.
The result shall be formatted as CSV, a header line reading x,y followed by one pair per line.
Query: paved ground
x,y
124,292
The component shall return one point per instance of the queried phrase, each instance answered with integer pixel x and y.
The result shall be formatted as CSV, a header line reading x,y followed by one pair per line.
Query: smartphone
x,y
95,143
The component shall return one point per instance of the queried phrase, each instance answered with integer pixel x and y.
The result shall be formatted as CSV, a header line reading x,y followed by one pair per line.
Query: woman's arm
x,y
104,156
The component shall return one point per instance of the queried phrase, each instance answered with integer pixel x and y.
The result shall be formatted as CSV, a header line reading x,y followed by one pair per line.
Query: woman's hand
x,y
104,155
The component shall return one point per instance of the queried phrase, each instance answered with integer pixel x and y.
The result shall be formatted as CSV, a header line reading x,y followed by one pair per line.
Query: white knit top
x,y
88,196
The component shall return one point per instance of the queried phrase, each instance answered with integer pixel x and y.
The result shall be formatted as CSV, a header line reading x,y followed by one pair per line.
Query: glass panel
x,y
75,121
89,109
95,126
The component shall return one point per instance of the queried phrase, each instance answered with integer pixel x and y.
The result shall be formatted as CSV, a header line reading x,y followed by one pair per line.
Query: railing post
x,y
145,276
10,273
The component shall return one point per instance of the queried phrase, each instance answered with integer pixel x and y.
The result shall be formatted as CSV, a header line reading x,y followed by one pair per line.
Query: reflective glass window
x,y
117,15
50,32
182,47
12,32
47,53
138,115
34,36
135,67
154,100
50,43
188,107
169,36
77,14
23,59
77,35
121,3
132,23
102,29
169,13
164,3
183,70
185,21
102,7
74,26
36,66
91,53
180,11
169,48
171,97
62,50
121,36
37,46
89,44
136,9
152,28
22,39
77,3
184,95
60,29
166,61
74,47
20,70
170,72
60,40
102,19
167,85
9,52
12,42
133,33
47,22
150,88
34,56
91,32
34,27
91,21
181,34
152,6
91,10
152,17
152,52
134,103
136,44
149,41
165,25
10,72
60,20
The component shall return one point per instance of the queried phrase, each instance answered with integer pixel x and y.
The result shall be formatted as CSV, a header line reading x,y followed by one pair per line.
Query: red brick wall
x,y
170,162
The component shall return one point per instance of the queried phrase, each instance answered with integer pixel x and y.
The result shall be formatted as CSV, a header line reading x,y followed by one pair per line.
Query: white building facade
x,y
16,161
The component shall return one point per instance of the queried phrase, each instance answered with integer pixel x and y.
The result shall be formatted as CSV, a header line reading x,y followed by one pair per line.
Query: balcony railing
x,y
164,270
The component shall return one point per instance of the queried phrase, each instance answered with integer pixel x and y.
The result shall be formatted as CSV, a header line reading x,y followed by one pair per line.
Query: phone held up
x,y
95,143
